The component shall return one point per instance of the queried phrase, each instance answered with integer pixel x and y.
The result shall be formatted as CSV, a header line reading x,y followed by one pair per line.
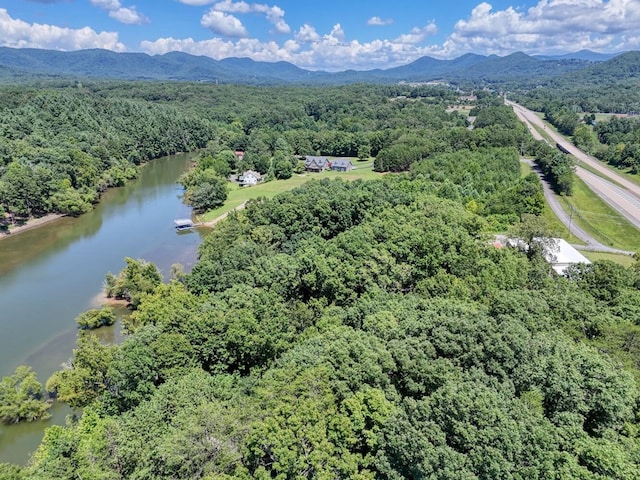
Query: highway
x,y
618,192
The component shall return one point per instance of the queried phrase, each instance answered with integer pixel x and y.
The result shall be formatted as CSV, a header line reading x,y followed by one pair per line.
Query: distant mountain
x,y
96,63
29,64
621,68
587,55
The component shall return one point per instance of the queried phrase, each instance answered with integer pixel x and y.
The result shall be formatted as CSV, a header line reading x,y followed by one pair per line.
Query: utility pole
x,y
571,210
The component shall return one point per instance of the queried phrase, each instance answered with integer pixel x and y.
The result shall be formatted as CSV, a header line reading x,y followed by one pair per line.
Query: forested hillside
x,y
59,148
358,329
610,86
32,65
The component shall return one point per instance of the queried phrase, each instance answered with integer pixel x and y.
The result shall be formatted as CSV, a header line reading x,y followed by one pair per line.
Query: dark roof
x,y
341,162
311,161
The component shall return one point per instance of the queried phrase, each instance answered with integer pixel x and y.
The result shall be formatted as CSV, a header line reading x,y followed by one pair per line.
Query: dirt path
x,y
223,216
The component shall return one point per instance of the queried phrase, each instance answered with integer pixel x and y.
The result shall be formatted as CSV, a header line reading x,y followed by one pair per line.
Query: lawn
x,y
624,260
600,220
237,195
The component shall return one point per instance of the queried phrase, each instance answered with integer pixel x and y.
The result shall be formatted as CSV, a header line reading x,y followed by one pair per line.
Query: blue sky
x,y
329,35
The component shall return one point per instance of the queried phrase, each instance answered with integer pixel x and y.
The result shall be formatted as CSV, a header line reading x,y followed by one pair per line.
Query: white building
x,y
562,255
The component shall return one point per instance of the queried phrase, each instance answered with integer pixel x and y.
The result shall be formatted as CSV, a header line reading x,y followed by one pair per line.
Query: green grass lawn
x,y
600,220
624,260
604,117
237,195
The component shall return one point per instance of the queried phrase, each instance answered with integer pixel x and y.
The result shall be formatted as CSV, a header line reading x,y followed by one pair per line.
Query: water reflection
x,y
51,274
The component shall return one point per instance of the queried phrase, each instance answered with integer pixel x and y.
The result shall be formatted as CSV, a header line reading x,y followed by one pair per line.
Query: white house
x,y
250,178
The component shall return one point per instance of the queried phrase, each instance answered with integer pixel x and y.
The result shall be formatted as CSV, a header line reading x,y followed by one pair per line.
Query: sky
x,y
330,35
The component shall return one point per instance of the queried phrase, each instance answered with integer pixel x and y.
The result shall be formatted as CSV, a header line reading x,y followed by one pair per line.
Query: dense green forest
x,y
61,147
354,329
380,334
610,87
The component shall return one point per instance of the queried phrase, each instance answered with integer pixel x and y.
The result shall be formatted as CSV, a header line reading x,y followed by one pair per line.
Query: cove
x,y
52,273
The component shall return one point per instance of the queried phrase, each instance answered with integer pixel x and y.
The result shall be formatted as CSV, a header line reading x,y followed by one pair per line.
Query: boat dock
x,y
185,224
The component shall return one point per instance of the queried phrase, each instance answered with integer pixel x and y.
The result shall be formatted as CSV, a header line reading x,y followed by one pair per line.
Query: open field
x,y
237,195
599,220
624,260
603,117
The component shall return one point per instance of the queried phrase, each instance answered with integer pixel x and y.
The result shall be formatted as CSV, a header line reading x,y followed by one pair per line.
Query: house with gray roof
x,y
313,163
341,165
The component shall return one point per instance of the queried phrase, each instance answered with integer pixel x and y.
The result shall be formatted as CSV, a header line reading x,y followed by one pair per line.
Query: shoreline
x,y
30,224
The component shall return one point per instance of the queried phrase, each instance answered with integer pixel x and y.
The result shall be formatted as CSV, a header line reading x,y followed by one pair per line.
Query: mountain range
x,y
27,64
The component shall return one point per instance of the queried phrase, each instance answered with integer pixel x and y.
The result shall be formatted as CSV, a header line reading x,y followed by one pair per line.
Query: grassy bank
x,y
237,195
600,220
624,260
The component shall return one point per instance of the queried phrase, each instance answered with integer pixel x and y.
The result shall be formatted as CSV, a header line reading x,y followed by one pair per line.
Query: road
x,y
614,189
530,118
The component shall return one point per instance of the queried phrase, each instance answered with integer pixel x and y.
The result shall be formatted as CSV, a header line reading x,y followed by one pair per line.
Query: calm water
x,y
51,274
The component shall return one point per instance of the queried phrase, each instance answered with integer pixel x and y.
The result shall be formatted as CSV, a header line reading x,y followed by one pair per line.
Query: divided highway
x,y
618,192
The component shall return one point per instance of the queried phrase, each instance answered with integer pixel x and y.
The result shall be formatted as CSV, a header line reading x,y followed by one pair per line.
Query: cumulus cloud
x,y
223,24
128,15
330,51
549,26
377,21
307,34
20,34
274,14
218,48
197,3
418,35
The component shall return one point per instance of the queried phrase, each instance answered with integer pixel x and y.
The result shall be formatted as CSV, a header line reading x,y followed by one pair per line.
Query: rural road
x,y
623,195
552,199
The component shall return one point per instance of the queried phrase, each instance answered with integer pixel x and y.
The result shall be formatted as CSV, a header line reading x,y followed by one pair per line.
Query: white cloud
x,y
377,21
20,34
218,48
274,15
417,35
307,34
197,3
549,26
331,51
336,36
106,4
223,24
128,15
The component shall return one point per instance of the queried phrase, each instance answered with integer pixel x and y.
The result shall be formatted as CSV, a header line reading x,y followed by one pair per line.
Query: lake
x,y
52,273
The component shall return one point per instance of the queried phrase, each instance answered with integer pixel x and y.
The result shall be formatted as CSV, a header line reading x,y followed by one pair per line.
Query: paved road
x,y
552,199
626,201
530,118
